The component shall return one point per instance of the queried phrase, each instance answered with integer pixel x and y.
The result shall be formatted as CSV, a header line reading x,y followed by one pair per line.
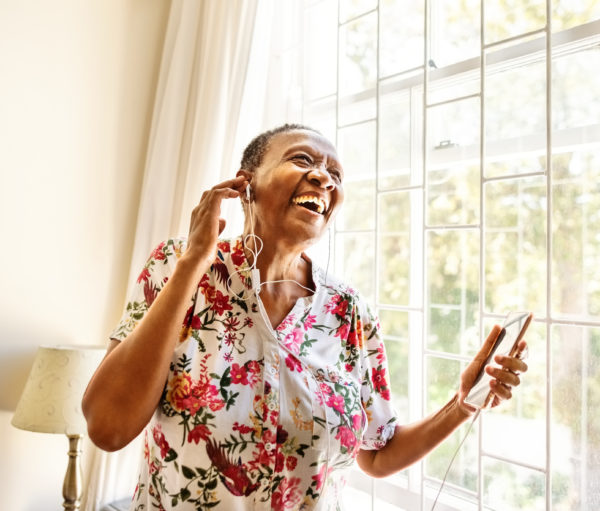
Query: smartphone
x,y
507,342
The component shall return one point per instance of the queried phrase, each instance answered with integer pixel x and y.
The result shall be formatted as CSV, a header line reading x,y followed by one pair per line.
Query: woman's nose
x,y
320,177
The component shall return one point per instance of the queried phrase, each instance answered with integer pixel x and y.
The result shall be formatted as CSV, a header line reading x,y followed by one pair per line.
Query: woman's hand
x,y
206,223
504,378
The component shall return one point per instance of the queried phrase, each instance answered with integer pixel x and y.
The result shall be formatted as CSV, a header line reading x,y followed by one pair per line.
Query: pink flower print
x,y
160,440
357,420
336,402
380,353
320,477
158,253
239,374
293,340
309,321
144,275
287,495
332,303
346,437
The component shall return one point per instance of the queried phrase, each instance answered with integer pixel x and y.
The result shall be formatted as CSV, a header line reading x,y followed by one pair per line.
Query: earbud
x,y
248,192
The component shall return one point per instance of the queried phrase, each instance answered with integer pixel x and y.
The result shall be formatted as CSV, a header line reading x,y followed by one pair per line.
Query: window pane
x,y
394,248
453,290
512,488
575,90
358,64
515,246
320,56
575,405
455,31
351,8
401,36
508,18
517,429
320,115
355,261
442,377
356,148
395,140
566,13
515,118
575,238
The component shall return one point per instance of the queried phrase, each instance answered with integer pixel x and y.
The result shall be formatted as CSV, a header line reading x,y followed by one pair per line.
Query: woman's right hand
x,y
206,223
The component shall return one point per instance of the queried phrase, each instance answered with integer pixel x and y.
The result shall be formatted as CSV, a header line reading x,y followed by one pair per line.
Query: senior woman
x,y
258,389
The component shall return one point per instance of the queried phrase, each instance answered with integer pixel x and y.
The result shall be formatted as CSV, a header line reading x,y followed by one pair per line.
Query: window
x,y
470,134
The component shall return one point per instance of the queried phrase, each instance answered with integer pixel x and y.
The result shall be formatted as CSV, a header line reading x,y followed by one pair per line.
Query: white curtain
x,y
210,101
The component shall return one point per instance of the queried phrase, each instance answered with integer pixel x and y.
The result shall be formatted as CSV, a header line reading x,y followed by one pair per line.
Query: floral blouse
x,y
253,417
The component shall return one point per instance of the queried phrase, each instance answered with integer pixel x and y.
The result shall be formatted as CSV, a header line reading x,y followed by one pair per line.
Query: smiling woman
x,y
258,381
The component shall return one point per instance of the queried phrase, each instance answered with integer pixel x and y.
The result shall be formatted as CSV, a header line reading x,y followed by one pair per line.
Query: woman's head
x,y
296,180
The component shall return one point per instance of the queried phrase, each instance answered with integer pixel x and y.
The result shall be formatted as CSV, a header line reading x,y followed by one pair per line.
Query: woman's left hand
x,y
504,378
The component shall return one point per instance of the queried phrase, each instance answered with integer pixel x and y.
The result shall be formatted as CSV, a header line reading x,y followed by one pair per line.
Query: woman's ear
x,y
248,176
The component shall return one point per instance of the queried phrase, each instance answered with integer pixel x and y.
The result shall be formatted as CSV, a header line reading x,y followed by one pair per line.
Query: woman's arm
x,y
126,388
413,441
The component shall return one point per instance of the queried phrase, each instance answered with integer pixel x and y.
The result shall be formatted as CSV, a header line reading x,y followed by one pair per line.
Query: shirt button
x,y
273,369
271,406
269,446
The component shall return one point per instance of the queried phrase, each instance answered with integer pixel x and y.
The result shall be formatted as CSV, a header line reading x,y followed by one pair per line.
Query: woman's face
x,y
297,190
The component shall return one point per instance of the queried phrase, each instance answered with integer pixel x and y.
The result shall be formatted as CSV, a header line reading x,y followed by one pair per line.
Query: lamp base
x,y
72,484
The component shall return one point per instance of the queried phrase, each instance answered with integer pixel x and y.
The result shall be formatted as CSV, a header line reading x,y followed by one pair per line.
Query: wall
x,y
76,93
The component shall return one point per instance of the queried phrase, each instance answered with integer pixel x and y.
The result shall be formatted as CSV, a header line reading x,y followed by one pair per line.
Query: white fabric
x,y
194,143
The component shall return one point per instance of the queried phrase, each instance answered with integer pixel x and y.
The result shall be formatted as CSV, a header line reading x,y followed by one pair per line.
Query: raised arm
x,y
413,441
126,388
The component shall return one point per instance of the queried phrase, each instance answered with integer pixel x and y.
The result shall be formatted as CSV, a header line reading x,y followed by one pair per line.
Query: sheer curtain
x,y
211,99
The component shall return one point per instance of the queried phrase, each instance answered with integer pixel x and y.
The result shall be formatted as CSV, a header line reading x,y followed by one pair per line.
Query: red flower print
x,y
159,439
150,292
237,255
239,374
332,303
220,303
291,462
231,323
293,363
223,246
158,253
341,308
380,353
200,432
248,322
242,428
145,275
233,475
228,357
287,495
385,394
378,377
336,402
342,331
349,368
320,477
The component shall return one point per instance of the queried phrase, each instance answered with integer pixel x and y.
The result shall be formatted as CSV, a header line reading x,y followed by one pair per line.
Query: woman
x,y
258,388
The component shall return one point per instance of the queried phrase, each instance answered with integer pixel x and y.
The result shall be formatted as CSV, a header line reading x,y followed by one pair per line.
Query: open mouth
x,y
310,202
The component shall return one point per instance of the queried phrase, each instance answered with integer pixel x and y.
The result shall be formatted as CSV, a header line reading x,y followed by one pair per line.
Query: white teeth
x,y
310,198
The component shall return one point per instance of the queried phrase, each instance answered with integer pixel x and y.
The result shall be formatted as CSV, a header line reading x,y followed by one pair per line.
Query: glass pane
x,y
394,248
453,195
575,425
394,140
320,55
515,119
508,18
512,488
355,261
401,27
320,115
575,228
455,34
453,291
566,13
352,8
575,90
442,377
457,86
517,429
355,499
397,353
515,246
453,130
356,148
358,64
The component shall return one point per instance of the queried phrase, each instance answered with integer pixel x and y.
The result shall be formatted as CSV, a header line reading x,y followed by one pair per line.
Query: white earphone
x,y
248,192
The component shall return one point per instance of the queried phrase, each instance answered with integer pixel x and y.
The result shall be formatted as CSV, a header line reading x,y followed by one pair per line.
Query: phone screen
x,y
512,332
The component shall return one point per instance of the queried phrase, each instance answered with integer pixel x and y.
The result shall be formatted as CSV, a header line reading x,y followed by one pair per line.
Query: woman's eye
x,y
336,174
303,158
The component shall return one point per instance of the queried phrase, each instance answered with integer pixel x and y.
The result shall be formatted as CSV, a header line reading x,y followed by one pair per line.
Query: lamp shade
x,y
51,400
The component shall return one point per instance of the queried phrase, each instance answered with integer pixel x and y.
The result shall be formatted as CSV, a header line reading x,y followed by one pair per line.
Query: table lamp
x,y
51,403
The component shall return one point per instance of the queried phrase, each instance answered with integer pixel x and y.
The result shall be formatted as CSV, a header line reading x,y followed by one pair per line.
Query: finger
x,y
511,363
503,376
502,391
230,183
487,346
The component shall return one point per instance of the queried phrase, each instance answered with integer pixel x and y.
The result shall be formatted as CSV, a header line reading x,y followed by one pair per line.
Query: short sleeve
x,y
375,391
151,280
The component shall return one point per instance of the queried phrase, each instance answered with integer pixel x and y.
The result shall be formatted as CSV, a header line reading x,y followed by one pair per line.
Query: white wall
x,y
77,82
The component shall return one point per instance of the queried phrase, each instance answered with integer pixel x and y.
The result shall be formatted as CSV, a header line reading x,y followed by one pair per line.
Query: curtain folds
x,y
207,79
